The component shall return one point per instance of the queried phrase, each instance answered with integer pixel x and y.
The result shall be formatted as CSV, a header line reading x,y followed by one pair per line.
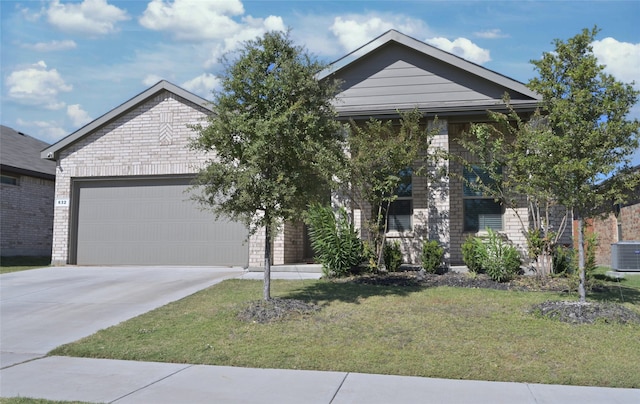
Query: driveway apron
x,y
41,309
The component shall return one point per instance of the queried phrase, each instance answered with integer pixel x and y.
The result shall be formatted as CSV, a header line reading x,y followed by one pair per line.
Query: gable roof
x,y
51,152
20,153
396,51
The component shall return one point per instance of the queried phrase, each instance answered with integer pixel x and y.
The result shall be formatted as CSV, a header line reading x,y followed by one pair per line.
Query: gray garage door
x,y
151,222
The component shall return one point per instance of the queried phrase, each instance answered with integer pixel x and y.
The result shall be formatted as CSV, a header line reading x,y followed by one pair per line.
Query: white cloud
x,y
202,85
356,30
151,79
220,24
622,59
274,23
78,116
494,33
94,17
48,131
251,28
35,85
193,20
51,46
462,47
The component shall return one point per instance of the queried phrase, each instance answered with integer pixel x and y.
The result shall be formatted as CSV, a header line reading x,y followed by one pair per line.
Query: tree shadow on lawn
x,y
322,293
614,291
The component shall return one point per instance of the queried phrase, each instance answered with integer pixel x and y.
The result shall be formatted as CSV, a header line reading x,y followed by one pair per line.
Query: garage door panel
x,y
152,222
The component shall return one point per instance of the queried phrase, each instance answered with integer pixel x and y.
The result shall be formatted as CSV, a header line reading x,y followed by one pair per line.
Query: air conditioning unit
x,y
625,256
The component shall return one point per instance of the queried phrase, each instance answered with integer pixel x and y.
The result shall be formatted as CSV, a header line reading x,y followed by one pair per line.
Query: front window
x,y
481,211
401,210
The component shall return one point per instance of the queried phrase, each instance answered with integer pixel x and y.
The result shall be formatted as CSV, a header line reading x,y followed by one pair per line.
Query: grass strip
x,y
21,263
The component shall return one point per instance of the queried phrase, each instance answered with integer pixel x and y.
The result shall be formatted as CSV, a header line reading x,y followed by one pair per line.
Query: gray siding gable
x,y
396,72
52,152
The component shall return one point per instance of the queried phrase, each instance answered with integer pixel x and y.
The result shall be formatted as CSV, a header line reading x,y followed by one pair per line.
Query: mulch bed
x,y
586,313
275,309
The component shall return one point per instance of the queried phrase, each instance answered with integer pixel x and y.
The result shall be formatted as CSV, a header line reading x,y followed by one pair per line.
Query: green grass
x,y
14,264
442,332
630,280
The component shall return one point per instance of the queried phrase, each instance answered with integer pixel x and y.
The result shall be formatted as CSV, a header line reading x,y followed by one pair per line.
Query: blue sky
x,y
65,63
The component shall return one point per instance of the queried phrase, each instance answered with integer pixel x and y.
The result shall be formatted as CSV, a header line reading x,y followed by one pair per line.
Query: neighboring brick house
x,y
27,191
620,223
121,177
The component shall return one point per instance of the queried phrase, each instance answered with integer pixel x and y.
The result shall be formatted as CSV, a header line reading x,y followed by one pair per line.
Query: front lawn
x,y
446,332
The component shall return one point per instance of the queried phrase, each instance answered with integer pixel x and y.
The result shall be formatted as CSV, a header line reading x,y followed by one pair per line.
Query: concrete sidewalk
x,y
121,382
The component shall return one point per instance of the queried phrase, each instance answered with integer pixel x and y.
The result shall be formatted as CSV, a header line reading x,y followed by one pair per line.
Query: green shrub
x,y
563,261
334,240
471,250
500,260
591,243
392,256
431,256
369,257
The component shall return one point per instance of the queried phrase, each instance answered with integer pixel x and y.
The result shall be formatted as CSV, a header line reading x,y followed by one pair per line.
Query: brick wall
x,y
430,205
630,220
512,219
149,140
26,222
606,230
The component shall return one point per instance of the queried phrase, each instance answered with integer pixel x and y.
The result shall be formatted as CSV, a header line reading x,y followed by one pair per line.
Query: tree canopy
x,y
591,136
384,156
272,138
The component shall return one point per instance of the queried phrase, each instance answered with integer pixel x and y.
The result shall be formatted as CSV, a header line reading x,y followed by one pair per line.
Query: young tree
x,y
591,137
273,138
509,151
383,155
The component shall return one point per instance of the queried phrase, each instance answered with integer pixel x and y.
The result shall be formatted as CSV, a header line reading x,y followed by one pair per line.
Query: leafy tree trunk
x,y
273,132
383,237
581,287
266,294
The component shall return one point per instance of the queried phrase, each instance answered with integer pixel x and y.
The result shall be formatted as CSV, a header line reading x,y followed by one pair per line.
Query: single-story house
x,y
121,179
27,191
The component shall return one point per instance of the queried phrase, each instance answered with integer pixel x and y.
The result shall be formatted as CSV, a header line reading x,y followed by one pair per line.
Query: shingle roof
x,y
20,153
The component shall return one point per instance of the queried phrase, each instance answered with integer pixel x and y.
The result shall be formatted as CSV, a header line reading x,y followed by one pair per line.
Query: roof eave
x,y
23,171
521,107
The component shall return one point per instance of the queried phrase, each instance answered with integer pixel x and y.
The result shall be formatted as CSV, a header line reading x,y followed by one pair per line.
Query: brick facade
x,y
430,205
26,225
150,140
513,219
611,229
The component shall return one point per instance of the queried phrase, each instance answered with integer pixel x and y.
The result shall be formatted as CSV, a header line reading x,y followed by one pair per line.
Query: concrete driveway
x,y
41,309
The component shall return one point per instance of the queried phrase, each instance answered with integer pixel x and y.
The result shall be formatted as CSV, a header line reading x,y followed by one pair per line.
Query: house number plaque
x,y
62,203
